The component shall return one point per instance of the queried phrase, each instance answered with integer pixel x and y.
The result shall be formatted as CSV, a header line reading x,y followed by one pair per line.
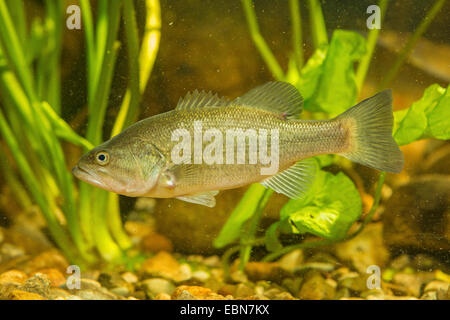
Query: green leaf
x,y
325,160
306,82
439,118
429,117
329,211
336,89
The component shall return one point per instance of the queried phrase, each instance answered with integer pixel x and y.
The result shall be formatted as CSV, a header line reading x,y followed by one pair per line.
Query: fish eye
x,y
102,158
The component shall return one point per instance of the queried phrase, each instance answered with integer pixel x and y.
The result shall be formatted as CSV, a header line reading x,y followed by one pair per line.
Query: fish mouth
x,y
86,176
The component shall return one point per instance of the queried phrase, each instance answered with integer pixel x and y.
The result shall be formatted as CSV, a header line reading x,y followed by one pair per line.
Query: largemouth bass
x,y
209,143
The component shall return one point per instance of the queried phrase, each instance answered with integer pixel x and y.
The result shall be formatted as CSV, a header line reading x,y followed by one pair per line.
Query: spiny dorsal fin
x,y
201,99
204,198
294,181
278,97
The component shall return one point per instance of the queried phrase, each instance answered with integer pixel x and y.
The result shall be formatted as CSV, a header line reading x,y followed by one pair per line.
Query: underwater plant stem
x,y
57,231
14,183
259,41
139,71
147,56
319,243
90,46
376,202
303,245
115,222
297,39
53,93
404,53
249,233
103,74
106,246
364,64
319,30
14,51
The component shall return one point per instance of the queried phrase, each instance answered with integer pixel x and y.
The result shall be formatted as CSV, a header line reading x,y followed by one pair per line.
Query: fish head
x,y
124,165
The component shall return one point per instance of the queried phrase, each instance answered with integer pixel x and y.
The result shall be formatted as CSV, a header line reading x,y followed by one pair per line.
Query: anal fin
x,y
203,198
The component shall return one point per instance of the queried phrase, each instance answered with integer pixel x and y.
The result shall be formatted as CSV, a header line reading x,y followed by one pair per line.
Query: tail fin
x,y
371,135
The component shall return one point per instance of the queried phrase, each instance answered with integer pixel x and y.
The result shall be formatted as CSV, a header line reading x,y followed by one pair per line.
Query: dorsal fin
x,y
201,99
278,97
294,181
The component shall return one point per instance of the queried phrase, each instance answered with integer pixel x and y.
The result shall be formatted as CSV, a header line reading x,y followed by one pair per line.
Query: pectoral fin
x,y
294,181
204,198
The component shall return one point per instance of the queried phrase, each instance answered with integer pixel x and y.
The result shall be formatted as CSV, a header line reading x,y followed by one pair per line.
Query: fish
x,y
189,153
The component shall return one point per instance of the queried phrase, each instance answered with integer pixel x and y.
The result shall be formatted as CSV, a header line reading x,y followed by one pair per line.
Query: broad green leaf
x,y
330,212
325,160
336,89
439,118
426,118
310,74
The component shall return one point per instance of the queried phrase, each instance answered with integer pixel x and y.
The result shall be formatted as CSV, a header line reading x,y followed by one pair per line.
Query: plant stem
x,y
319,31
376,202
14,51
147,57
404,53
364,64
297,40
248,234
259,41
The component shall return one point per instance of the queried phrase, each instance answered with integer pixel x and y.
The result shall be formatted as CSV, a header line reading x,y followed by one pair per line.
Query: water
x,y
207,45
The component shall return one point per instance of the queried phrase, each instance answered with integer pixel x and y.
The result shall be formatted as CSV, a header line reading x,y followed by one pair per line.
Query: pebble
x,y
155,242
89,284
55,277
200,275
121,291
164,265
25,295
61,294
10,251
436,285
92,294
195,293
115,283
155,286
291,260
50,259
163,296
412,283
315,287
39,283
365,250
13,277
265,271
400,262
354,282
243,290
130,277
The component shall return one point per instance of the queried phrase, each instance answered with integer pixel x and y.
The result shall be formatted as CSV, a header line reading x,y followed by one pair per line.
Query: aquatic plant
x,y
329,85
86,225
